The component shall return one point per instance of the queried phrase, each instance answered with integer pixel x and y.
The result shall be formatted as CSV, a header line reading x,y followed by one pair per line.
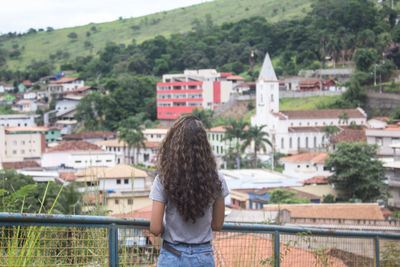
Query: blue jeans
x,y
192,256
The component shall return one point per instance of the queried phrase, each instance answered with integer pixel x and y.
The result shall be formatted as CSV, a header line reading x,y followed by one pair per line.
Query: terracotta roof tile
x,y
74,146
27,129
65,80
20,164
358,211
350,135
248,249
143,213
90,134
306,129
314,157
316,180
68,176
235,77
279,115
152,145
111,143
323,113
220,129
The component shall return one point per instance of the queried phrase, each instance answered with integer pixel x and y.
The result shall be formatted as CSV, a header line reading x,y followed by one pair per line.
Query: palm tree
x,y
130,131
330,131
70,201
235,131
259,137
344,118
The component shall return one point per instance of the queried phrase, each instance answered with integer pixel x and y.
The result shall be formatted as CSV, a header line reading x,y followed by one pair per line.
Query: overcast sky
x,y
20,15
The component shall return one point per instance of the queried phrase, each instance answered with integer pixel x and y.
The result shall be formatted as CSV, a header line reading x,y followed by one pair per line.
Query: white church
x,y
297,130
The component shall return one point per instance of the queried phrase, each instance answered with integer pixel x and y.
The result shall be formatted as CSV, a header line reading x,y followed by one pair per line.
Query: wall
x,y
123,206
17,120
111,184
18,147
78,160
304,170
292,94
385,103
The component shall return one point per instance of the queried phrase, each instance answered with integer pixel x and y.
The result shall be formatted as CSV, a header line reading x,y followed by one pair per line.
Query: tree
x,y
235,131
90,111
73,35
330,131
258,137
281,196
130,131
356,172
344,118
70,202
364,58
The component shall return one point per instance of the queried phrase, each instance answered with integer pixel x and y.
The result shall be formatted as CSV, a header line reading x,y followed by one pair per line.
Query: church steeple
x,y
267,71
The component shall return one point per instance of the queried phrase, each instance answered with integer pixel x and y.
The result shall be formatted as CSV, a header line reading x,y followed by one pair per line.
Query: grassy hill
x,y
93,37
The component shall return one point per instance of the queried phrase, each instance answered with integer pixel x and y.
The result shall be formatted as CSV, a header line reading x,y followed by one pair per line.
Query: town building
x,y
76,155
293,131
18,120
385,138
155,134
392,173
306,165
21,146
124,188
52,134
119,149
182,93
65,84
91,136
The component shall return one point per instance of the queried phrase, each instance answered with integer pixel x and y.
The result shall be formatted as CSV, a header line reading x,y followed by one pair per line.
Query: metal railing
x,y
60,240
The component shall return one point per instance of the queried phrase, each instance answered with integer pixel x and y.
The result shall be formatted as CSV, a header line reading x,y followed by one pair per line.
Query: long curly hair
x,y
187,168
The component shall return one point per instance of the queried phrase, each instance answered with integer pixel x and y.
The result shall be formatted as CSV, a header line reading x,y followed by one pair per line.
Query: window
x,y
22,151
126,181
282,143
109,160
22,142
130,201
298,142
272,98
290,142
308,166
315,141
98,160
78,161
14,152
118,181
306,142
222,150
14,143
116,201
379,141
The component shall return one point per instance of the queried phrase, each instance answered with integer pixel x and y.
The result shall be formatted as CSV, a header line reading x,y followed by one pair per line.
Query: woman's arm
x,y
157,215
218,215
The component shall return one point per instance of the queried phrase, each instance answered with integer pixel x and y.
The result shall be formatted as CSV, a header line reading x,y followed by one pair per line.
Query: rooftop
x,y
220,129
316,180
314,157
143,213
65,80
68,176
350,135
111,143
356,211
74,146
20,165
323,113
90,135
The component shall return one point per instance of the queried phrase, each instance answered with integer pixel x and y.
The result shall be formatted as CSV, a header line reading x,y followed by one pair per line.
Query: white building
x,y
31,95
385,138
291,131
25,105
18,120
66,105
77,155
306,165
65,84
155,134
119,149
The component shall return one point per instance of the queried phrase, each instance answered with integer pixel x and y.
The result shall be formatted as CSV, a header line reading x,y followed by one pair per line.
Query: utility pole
x,y
375,74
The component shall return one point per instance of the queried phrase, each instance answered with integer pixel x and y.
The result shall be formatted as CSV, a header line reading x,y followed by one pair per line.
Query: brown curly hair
x,y
187,168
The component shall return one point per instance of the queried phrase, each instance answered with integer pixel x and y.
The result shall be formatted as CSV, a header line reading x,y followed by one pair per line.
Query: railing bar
x,y
277,249
16,223
377,254
91,221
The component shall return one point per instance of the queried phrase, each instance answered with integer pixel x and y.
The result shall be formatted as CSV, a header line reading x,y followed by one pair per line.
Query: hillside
x,y
93,37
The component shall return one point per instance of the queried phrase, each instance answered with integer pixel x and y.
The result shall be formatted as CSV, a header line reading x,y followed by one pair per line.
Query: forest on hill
x,y
59,46
357,30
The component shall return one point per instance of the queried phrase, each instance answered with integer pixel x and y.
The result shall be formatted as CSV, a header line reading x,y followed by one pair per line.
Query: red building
x,y
182,93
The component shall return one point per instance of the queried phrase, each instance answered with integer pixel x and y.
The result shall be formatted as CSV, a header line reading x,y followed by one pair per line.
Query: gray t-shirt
x,y
176,229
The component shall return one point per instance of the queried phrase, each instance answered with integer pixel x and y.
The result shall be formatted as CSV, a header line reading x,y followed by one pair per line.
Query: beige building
x,y
123,188
20,146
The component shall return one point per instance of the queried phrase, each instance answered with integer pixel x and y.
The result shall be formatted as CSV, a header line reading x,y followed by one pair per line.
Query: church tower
x,y
267,94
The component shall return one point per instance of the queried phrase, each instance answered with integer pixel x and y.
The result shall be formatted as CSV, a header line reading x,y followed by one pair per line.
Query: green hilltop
x,y
57,46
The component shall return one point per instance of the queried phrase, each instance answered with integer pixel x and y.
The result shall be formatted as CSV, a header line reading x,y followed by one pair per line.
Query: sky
x,y
20,15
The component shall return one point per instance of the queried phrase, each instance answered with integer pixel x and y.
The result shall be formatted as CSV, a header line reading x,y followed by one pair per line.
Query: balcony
x,y
59,240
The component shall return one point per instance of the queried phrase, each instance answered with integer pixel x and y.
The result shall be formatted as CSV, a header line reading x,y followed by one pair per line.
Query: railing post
x,y
113,245
276,249
377,256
